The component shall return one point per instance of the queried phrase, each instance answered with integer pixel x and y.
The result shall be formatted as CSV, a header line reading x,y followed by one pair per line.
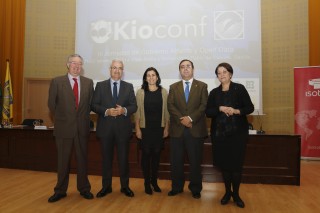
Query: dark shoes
x,y
226,198
155,186
127,191
87,195
173,192
147,189
196,195
56,197
238,201
104,191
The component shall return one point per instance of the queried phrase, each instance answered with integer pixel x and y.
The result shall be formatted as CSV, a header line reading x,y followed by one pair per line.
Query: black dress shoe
x,y
127,191
238,201
156,188
104,191
147,189
173,192
196,195
56,197
225,199
87,195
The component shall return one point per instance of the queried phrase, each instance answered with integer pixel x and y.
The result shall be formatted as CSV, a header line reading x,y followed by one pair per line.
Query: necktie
x,y
115,93
76,92
186,91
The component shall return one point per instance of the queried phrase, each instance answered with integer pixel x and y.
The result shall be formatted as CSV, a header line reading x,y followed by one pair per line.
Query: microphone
x,y
260,132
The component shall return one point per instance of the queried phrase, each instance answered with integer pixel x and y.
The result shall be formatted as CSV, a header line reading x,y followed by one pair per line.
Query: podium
x,y
270,159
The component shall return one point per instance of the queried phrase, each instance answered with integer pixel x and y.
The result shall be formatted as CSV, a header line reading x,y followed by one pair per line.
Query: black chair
x,y
30,121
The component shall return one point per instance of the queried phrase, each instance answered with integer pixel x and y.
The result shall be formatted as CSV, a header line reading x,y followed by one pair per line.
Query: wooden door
x,y
36,99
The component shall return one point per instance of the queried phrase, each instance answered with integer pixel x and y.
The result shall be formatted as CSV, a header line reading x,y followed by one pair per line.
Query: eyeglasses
x,y
75,63
117,68
186,66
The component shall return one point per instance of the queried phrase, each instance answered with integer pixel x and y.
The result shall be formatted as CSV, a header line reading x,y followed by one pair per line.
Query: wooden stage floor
x,y
28,191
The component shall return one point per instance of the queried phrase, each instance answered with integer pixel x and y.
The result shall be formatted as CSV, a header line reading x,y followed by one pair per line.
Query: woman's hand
x,y
165,132
138,133
229,110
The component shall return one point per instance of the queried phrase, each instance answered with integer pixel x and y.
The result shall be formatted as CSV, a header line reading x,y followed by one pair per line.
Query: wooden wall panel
x,y
314,32
270,159
36,98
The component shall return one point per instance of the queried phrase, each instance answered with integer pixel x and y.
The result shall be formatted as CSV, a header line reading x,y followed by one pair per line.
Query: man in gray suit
x,y
187,102
114,101
69,101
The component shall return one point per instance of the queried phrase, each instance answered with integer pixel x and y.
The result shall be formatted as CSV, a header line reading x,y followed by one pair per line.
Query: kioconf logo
x,y
316,86
101,31
228,25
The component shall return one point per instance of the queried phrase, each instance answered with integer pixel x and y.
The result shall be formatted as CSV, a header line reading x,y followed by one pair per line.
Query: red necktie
x,y
76,92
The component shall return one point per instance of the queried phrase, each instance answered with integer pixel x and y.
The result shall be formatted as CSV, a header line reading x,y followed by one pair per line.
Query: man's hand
x,y
118,110
185,121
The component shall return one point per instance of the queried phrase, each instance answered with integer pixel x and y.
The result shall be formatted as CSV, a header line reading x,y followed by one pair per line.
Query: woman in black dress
x,y
228,106
151,125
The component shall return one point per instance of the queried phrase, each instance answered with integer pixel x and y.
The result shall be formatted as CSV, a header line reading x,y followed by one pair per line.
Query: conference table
x,y
270,158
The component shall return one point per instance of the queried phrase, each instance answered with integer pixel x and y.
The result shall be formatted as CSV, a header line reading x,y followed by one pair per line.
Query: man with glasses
x,y
114,101
187,101
69,101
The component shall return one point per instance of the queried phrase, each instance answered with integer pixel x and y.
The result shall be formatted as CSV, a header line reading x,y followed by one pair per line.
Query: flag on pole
x,y
7,109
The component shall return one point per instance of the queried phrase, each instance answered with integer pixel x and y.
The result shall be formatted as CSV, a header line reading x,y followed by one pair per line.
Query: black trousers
x,y
150,160
115,139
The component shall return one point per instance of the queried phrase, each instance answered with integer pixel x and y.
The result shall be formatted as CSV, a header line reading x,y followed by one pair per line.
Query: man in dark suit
x,y
187,102
69,101
114,101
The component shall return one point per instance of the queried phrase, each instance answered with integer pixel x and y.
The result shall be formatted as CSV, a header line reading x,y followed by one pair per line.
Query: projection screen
x,y
145,33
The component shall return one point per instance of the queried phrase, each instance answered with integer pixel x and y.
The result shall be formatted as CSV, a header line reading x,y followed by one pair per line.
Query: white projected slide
x,y
150,33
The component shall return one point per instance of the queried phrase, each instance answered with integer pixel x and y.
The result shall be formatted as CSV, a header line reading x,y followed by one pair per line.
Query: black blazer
x,y
102,100
239,99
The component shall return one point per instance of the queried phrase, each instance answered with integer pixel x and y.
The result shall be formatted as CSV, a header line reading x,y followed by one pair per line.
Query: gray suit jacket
x,y
102,100
67,120
195,108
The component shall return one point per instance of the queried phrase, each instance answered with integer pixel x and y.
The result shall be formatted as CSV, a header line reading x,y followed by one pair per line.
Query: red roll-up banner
x,y
307,109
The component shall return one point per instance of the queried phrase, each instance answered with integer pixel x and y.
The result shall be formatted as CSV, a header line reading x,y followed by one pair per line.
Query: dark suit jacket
x,y
102,100
67,120
195,108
